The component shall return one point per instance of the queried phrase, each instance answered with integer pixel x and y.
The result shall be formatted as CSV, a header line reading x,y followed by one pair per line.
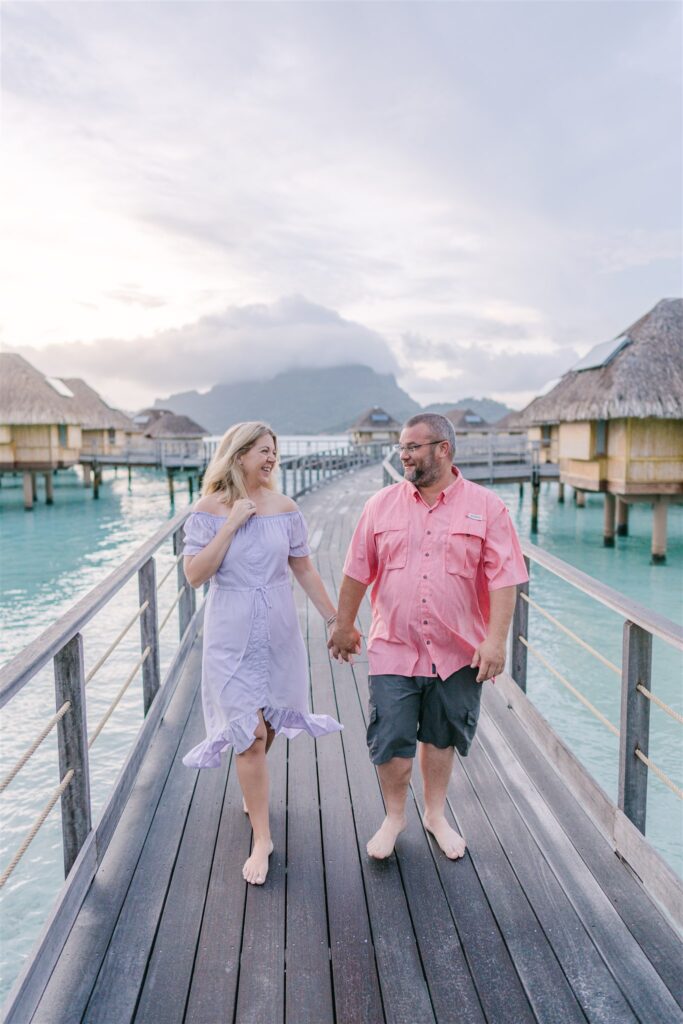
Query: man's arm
x,y
345,639
489,656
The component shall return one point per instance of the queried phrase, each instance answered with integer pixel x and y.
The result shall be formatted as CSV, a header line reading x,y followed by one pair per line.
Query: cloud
x,y
241,343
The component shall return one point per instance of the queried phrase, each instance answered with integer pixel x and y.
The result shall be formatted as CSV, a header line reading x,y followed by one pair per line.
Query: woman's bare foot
x,y
450,841
382,843
244,806
255,869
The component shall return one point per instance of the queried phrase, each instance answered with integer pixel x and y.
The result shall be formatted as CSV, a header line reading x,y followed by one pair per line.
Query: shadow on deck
x,y
539,922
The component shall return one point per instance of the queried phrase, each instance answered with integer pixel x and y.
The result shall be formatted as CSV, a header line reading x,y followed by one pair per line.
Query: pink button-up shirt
x,y
432,570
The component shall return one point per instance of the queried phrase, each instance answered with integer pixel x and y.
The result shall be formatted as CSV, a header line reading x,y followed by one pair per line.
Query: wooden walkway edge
x,y
540,921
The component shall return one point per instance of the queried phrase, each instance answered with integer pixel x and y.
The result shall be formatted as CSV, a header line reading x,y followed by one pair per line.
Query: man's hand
x,y
489,658
344,642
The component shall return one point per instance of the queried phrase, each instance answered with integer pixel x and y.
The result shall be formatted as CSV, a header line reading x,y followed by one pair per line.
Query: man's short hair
x,y
440,427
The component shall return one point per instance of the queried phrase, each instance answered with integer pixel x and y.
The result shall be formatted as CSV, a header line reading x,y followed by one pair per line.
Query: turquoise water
x,y
53,555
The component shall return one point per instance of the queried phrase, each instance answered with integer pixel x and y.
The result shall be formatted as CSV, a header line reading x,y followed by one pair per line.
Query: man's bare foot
x,y
244,806
450,841
255,869
382,843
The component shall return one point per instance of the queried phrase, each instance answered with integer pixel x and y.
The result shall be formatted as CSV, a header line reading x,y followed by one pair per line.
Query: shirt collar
x,y
447,495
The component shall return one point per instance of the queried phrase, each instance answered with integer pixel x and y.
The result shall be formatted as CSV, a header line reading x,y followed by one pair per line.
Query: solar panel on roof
x,y
602,354
60,387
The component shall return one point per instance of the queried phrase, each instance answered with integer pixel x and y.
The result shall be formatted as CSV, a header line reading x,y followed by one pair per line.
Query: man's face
x,y
423,466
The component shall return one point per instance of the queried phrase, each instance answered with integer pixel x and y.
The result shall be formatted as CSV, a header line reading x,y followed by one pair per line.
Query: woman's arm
x,y
308,578
201,567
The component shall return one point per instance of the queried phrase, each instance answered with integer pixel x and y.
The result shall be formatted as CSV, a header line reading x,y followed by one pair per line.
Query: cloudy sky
x,y
467,194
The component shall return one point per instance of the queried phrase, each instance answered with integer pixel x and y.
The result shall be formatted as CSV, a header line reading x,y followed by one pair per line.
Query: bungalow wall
x,y
43,446
624,456
104,441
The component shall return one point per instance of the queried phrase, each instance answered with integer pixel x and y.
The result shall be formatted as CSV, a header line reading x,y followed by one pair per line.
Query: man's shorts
x,y
404,709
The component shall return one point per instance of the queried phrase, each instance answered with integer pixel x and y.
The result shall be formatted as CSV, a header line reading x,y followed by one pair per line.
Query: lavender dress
x,y
254,655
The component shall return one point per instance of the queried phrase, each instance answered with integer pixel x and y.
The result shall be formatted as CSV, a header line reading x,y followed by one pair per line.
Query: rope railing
x,y
108,713
572,689
36,826
170,570
586,646
660,703
662,776
170,610
30,751
110,650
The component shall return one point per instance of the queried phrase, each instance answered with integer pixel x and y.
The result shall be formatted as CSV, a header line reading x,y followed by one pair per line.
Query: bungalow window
x,y
112,435
601,437
61,427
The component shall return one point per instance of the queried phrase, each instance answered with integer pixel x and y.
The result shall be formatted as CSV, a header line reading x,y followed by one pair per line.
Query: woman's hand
x,y
241,510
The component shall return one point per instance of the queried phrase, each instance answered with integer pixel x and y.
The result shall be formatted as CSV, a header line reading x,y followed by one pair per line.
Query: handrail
x,y
17,672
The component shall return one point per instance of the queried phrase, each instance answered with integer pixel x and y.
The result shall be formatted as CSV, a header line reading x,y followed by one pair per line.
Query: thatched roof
x,y
465,419
93,411
375,419
641,376
28,399
511,421
172,426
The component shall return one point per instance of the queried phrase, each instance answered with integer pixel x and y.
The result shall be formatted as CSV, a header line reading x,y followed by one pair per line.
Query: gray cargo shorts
x,y
404,709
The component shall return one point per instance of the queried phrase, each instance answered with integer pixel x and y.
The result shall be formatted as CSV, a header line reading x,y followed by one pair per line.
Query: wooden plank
x,y
169,971
653,933
638,980
72,742
356,984
544,982
216,968
128,951
74,975
589,977
149,632
634,734
261,983
308,990
658,878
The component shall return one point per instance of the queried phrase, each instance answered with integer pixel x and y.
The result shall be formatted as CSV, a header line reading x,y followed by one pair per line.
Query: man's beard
x,y
424,475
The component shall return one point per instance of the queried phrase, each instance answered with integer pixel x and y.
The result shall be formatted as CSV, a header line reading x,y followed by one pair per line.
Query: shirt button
x,y
426,554
424,622
429,641
429,531
424,577
424,600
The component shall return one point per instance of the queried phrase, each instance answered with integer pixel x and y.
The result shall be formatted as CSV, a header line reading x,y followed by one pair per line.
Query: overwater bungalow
x,y
465,421
164,424
614,422
104,431
40,428
373,425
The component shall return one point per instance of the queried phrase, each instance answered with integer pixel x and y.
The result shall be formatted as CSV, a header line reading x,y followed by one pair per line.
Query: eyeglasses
x,y
410,448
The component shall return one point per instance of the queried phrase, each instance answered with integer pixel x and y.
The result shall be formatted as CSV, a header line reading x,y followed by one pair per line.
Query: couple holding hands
x,y
444,562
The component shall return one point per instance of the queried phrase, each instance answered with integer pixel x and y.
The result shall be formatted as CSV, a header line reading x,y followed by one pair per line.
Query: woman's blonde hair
x,y
224,473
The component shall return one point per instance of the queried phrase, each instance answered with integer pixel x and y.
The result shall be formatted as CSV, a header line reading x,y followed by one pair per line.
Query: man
x,y
444,561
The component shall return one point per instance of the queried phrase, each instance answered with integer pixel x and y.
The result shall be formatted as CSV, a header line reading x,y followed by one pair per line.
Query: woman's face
x,y
258,464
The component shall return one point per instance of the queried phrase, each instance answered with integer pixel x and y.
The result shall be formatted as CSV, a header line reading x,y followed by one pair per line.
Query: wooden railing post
x,y
72,741
636,667
520,628
149,632
187,603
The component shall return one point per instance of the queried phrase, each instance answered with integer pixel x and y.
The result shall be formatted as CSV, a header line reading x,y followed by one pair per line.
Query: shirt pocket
x,y
392,547
463,548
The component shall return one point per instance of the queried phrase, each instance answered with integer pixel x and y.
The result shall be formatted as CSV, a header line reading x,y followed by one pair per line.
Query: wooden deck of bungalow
x,y
540,921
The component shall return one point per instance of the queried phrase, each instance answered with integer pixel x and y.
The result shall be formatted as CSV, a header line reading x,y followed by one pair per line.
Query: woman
x,y
242,536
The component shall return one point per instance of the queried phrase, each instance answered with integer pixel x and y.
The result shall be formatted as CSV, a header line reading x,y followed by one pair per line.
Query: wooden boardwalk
x,y
539,922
